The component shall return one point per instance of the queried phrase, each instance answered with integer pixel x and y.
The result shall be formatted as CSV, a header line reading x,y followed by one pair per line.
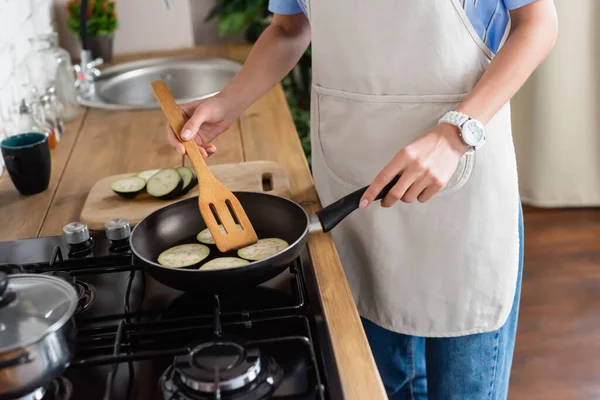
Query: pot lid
x,y
32,306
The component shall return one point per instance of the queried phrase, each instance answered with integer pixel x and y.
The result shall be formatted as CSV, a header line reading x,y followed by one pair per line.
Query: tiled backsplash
x,y
20,20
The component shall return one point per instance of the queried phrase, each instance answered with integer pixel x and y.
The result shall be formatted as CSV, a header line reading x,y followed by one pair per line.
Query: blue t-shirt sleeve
x,y
287,6
513,4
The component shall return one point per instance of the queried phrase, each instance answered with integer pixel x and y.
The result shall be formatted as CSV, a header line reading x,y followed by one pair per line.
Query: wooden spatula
x,y
217,204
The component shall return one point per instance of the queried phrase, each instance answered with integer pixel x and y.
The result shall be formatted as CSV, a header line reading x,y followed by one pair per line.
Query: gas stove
x,y
138,339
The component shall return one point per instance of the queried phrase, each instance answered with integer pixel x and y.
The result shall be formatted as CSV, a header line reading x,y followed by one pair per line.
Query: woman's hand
x,y
425,166
206,119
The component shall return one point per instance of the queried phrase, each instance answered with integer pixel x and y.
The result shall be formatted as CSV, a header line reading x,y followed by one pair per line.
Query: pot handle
x,y
3,283
334,213
22,358
6,297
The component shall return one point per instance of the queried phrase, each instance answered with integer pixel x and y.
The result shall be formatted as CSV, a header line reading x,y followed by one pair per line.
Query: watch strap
x,y
454,118
457,119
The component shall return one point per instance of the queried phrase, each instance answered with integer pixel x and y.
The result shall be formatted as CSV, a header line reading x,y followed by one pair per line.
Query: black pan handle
x,y
334,213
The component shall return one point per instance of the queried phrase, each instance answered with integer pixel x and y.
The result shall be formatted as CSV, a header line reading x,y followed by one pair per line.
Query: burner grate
x,y
140,331
84,266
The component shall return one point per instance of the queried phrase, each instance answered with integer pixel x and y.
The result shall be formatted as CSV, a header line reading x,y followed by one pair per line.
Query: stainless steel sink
x,y
127,86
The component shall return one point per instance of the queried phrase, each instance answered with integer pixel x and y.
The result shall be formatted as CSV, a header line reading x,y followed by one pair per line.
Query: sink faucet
x,y
86,71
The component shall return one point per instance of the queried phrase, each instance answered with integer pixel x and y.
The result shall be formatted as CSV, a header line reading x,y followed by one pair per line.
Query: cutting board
x,y
102,204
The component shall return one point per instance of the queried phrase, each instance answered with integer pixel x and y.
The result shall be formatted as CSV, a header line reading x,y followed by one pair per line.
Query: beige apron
x,y
384,72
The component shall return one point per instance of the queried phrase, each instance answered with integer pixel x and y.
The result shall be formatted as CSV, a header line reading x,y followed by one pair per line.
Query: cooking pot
x,y
37,331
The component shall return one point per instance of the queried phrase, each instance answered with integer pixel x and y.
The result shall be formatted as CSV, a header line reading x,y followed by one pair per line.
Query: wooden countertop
x,y
101,143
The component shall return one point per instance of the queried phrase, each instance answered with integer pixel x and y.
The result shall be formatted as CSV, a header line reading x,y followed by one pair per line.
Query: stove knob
x,y
117,229
76,233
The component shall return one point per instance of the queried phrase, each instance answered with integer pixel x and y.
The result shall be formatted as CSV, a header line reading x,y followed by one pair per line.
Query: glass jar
x,y
41,63
49,112
54,69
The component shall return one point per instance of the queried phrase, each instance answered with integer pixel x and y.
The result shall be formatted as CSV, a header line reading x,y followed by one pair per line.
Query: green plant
x,y
236,15
102,17
252,18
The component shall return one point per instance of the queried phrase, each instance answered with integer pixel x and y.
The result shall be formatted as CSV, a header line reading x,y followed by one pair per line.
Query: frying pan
x,y
271,216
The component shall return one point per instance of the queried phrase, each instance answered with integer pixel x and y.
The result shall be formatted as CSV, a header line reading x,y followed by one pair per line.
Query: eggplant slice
x,y
128,187
184,255
262,249
145,175
206,237
165,184
223,263
189,179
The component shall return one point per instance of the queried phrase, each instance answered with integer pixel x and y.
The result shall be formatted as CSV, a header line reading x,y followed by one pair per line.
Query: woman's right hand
x,y
206,119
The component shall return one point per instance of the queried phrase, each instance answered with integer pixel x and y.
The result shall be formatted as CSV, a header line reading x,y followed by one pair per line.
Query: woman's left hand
x,y
425,166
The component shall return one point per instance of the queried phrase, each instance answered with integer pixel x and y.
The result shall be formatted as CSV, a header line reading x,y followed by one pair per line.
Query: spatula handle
x,y
173,113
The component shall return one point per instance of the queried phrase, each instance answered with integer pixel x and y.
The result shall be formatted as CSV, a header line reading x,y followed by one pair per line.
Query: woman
x,y
413,88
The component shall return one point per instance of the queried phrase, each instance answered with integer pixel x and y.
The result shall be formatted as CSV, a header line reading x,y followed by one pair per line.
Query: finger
x,y
203,152
415,190
208,146
201,115
431,190
382,179
397,192
174,142
210,149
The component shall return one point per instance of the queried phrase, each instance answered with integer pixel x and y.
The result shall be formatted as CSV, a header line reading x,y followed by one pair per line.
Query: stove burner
x,y
59,389
222,370
62,389
86,294
218,365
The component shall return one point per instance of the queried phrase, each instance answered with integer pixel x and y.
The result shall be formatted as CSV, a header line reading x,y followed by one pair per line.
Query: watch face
x,y
473,133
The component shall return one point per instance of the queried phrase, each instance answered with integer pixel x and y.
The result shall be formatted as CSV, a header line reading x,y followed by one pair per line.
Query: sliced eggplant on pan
x,y
128,187
182,220
262,249
165,184
224,262
189,179
206,237
184,255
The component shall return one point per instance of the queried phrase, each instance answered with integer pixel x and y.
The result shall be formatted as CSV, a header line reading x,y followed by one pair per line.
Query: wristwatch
x,y
472,132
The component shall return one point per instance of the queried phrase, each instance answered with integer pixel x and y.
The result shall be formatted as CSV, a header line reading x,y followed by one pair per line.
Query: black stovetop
x,y
131,329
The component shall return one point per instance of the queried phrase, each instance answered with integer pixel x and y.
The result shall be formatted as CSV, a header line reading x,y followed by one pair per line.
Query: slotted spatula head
x,y
217,204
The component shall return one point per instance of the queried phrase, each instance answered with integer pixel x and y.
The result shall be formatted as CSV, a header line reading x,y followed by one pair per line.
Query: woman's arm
x,y
533,33
273,55
428,162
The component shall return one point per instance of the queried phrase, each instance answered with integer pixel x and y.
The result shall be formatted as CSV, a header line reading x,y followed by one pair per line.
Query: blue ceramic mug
x,y
27,160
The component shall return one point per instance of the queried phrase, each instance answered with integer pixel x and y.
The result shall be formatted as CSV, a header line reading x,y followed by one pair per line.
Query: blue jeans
x,y
473,367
